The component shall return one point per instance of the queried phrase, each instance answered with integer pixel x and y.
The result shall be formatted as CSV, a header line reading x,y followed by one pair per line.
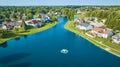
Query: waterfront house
x,y
45,18
34,22
11,25
102,32
116,38
84,26
8,25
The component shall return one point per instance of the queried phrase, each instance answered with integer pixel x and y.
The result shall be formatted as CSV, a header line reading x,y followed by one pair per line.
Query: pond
x,y
43,49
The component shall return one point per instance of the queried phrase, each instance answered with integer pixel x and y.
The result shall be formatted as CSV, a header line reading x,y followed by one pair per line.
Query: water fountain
x,y
64,51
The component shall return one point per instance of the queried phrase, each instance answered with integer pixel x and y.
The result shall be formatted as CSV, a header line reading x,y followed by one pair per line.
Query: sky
x,y
57,2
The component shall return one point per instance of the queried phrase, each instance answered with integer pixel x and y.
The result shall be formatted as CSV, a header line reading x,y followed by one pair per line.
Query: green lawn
x,y
30,31
106,43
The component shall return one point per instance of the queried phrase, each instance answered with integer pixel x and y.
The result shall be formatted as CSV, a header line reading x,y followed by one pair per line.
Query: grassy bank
x,y
29,31
100,42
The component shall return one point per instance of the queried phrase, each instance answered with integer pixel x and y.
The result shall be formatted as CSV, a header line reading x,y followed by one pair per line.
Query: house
x,y
97,24
8,25
34,23
103,20
116,38
58,13
79,20
45,18
4,26
84,26
11,25
51,13
102,32
79,11
24,16
92,19
13,19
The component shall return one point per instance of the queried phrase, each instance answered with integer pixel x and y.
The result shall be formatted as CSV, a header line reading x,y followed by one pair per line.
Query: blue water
x,y
43,50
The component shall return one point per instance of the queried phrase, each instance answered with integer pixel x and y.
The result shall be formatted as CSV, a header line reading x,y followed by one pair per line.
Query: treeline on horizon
x,y
8,12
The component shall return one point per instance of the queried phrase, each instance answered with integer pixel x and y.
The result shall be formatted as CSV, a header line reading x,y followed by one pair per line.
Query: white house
x,y
102,32
103,20
116,38
79,11
84,26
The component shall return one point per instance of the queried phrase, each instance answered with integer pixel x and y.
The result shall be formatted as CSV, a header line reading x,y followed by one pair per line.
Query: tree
x,y
54,18
16,29
24,26
29,16
70,14
65,11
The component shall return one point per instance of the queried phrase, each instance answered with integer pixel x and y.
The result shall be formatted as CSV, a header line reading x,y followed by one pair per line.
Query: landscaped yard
x,y
101,42
29,31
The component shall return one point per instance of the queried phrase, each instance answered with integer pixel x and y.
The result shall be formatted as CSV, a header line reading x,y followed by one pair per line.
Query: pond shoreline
x,y
32,31
69,26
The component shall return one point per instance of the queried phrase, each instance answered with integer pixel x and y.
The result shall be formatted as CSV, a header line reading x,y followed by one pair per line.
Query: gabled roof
x,y
84,24
34,21
101,30
117,35
8,23
12,23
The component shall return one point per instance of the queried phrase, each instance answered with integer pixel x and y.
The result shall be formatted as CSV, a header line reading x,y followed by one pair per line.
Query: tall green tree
x,y
70,14
24,26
